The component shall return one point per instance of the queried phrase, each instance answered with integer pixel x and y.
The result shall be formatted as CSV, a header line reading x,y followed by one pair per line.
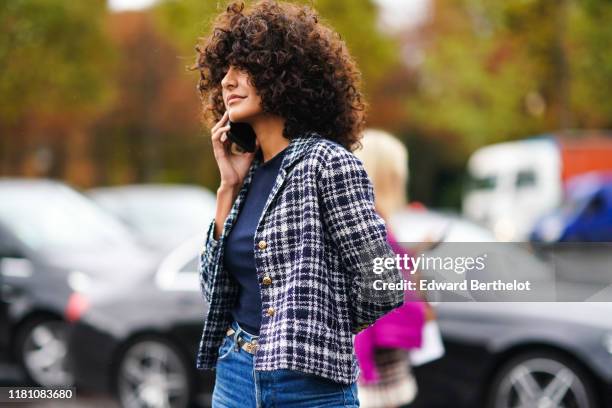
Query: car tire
x,y
538,376
41,345
152,372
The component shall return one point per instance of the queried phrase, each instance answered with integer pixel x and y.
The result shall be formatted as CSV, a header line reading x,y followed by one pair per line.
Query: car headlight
x,y
607,342
79,281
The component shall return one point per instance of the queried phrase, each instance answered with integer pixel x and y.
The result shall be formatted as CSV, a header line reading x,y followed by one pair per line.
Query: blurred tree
x,y
478,72
54,56
474,81
518,68
496,71
590,61
151,133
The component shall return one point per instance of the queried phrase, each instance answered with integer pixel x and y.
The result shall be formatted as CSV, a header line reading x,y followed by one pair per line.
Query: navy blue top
x,y
239,257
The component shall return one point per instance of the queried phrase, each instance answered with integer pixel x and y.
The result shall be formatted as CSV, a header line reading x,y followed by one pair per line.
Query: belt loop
x,y
236,345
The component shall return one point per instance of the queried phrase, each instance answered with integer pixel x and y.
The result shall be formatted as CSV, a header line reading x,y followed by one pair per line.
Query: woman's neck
x,y
269,131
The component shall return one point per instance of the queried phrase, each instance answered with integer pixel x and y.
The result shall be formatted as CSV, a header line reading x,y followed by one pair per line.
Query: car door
x,y
15,267
7,252
4,325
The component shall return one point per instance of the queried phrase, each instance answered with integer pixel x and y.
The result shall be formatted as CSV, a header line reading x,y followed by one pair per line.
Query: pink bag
x,y
401,328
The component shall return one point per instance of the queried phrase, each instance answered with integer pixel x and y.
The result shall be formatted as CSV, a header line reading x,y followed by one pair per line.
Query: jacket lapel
x,y
296,149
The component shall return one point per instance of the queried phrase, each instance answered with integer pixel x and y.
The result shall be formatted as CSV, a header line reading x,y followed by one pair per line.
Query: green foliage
x,y
497,71
491,71
460,95
590,36
54,55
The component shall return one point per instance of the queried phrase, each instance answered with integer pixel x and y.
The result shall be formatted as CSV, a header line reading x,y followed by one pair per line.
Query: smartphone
x,y
243,135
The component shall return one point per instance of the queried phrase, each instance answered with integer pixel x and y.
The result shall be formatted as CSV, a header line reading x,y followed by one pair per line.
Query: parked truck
x,y
512,184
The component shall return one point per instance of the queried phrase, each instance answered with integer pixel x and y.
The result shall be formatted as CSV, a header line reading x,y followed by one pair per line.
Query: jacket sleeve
x,y
208,256
360,236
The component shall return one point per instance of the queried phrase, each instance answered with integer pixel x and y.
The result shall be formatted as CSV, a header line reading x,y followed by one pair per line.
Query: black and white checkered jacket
x,y
314,245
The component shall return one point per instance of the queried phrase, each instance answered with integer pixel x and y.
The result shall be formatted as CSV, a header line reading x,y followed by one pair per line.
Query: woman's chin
x,y
237,116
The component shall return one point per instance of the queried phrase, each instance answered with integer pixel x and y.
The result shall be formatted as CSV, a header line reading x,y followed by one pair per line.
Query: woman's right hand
x,y
233,167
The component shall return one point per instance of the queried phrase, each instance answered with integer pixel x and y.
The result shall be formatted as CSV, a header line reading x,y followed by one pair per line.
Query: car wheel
x,y
542,379
42,347
152,373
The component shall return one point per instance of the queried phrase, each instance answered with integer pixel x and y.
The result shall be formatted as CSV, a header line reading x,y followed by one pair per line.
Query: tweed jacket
x,y
314,247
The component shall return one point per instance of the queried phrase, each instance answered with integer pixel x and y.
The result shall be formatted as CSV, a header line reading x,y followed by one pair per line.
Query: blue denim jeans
x,y
237,383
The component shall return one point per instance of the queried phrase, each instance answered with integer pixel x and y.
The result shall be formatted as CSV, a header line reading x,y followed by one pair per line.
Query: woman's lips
x,y
235,98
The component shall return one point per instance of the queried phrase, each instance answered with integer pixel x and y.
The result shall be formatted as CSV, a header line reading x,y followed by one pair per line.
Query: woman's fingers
x,y
216,131
219,133
224,131
226,161
220,147
220,122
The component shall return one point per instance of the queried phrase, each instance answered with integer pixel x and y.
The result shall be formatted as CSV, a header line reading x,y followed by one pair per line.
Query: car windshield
x,y
485,183
525,178
160,213
169,213
55,217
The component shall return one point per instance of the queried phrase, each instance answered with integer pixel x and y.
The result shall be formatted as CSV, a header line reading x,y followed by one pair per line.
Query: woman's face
x,y
241,99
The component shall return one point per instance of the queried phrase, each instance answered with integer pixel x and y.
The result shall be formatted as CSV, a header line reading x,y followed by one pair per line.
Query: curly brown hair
x,y
301,69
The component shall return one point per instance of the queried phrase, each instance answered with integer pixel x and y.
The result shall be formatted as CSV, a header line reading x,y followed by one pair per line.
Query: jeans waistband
x,y
242,333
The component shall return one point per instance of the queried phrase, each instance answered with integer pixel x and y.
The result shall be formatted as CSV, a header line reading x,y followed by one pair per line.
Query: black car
x,y
139,341
55,246
521,354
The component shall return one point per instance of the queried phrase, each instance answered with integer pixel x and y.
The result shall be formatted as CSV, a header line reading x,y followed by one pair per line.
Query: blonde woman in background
x,y
383,349
385,159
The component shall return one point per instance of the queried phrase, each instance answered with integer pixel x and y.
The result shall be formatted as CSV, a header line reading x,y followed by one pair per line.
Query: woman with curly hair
x,y
290,262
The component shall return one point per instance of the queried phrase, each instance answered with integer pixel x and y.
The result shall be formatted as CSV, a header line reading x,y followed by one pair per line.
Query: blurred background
x,y
106,172
95,93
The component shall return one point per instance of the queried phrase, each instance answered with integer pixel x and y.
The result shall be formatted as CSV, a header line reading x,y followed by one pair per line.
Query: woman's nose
x,y
229,79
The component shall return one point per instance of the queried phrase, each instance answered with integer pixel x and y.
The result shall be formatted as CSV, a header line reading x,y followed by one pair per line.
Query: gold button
x,y
270,311
267,280
262,244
